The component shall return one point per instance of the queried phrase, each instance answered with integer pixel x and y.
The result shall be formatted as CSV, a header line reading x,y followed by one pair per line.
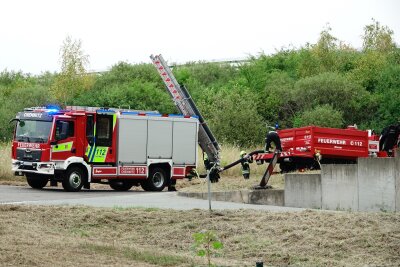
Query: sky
x,y
32,32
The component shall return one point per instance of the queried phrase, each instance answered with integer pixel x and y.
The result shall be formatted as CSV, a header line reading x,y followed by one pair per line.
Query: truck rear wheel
x,y
36,181
119,185
156,180
73,179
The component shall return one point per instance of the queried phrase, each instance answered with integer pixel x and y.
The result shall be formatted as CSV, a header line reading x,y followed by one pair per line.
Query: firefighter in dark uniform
x,y
209,165
245,164
389,138
272,137
193,174
172,185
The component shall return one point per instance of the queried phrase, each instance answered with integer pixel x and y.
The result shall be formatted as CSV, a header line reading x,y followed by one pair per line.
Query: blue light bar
x,y
52,111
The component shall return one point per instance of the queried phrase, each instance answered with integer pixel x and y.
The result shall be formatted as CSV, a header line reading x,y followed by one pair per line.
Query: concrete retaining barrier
x,y
339,187
377,184
303,190
371,185
274,197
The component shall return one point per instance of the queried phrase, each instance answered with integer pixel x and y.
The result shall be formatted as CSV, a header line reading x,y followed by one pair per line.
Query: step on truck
x,y
124,148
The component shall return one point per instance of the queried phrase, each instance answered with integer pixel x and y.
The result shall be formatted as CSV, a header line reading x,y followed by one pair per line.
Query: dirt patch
x,y
73,236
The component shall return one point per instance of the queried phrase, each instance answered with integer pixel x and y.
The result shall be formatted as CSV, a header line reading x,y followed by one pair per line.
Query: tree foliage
x,y
73,78
327,83
378,38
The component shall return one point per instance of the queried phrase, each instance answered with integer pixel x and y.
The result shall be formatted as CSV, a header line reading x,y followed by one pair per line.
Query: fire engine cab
x,y
124,148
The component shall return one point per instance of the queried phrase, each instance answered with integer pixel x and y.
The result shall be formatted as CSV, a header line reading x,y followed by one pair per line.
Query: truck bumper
x,y
21,167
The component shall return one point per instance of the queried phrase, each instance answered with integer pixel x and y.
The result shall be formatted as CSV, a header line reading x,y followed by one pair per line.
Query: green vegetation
x,y
206,244
328,83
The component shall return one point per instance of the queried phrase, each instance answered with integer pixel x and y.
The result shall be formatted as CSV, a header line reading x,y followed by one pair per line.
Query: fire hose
x,y
215,170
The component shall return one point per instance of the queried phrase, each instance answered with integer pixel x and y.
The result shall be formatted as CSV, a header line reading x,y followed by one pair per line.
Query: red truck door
x,y
64,144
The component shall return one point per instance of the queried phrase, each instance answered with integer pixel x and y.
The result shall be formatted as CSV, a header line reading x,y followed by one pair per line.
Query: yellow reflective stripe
x,y
100,154
62,147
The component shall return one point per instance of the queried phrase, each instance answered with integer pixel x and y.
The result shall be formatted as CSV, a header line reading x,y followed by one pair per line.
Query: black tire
x,y
156,181
120,185
287,167
73,180
36,181
144,185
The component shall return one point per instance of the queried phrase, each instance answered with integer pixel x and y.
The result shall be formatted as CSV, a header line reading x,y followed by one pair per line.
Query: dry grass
x,y
6,175
81,236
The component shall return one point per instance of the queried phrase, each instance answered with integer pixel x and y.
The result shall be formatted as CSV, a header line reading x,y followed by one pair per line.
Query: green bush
x,y
337,91
232,116
324,116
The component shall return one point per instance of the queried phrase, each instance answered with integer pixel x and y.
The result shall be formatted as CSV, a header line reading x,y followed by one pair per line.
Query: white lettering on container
x,y
331,141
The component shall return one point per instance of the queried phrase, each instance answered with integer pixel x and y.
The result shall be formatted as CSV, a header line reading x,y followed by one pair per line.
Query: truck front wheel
x,y
156,180
73,179
36,181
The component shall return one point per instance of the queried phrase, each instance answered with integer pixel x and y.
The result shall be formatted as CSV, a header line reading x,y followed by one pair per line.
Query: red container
x,y
301,146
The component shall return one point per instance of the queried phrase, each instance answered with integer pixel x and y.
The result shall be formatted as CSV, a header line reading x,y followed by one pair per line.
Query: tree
x,y
274,103
388,92
378,37
73,78
325,49
232,116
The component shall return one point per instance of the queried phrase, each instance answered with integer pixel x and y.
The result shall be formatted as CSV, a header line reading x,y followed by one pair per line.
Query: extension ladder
x,y
187,107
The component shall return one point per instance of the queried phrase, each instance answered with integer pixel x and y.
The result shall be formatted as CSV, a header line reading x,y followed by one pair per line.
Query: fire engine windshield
x,y
33,131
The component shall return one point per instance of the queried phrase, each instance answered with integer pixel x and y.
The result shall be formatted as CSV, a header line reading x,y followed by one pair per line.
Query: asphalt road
x,y
110,198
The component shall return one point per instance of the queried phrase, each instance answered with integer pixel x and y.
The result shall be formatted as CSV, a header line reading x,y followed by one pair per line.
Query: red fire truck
x,y
82,145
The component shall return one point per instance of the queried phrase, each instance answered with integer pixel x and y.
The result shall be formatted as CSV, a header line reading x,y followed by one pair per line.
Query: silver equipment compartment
x,y
152,137
184,143
132,140
159,139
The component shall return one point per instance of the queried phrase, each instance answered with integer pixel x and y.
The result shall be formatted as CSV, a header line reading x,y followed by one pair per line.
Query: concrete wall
x,y
339,186
273,197
303,190
371,185
377,184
